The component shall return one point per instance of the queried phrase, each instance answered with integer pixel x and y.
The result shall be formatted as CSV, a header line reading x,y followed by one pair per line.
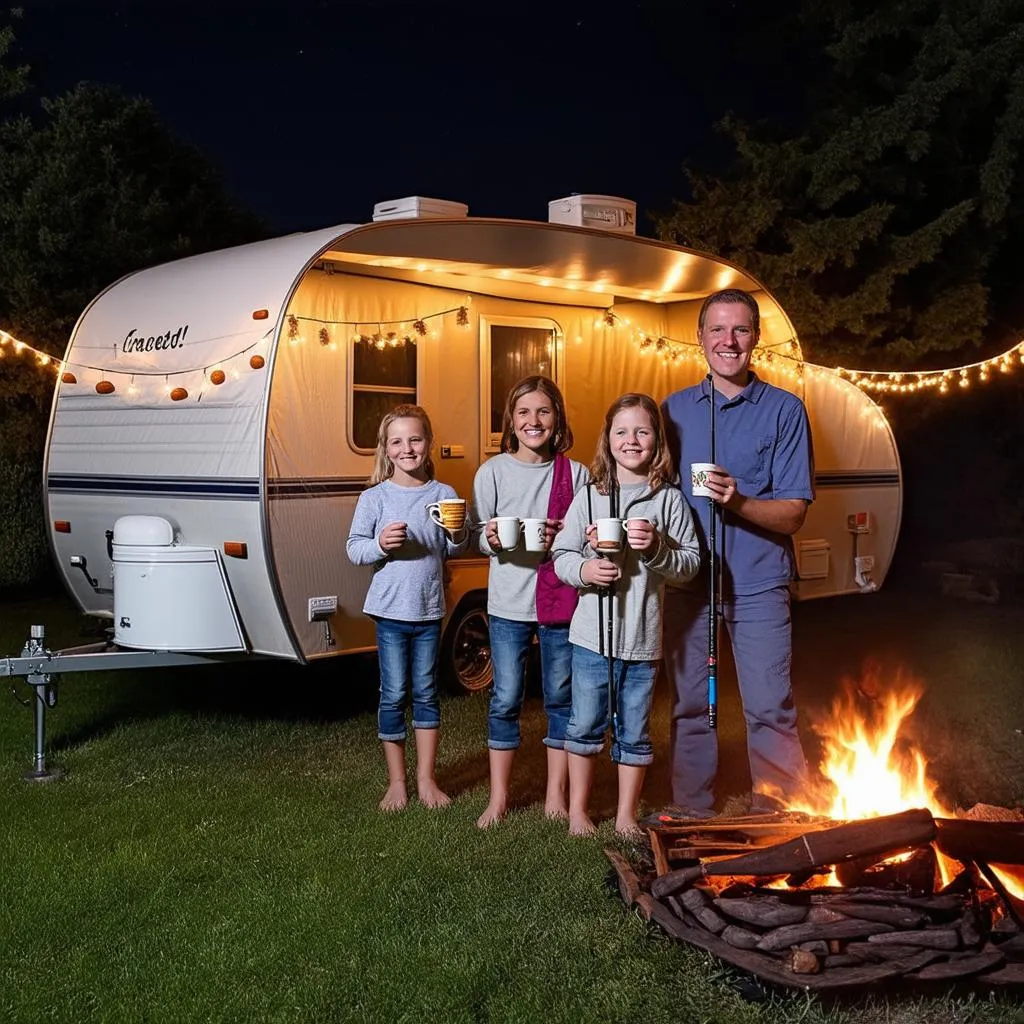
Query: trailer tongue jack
x,y
40,667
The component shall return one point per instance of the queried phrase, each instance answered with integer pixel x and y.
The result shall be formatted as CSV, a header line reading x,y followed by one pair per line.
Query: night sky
x,y
316,109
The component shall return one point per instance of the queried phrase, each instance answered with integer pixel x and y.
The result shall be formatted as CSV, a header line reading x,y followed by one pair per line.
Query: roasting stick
x,y
712,587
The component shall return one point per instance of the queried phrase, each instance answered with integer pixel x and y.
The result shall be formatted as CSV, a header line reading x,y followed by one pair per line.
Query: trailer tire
x,y
466,649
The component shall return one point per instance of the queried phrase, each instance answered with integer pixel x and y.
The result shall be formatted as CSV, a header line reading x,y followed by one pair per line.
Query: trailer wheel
x,y
466,653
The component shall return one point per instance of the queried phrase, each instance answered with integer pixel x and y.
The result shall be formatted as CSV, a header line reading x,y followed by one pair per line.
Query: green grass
x,y
214,852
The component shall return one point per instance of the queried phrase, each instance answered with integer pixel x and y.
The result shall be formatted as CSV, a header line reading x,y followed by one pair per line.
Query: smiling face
x,y
632,440
728,339
407,447
533,422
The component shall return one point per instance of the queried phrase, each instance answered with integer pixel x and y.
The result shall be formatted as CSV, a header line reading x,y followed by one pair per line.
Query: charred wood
x,y
885,835
898,917
1000,842
766,911
959,967
698,903
791,934
772,970
741,938
629,884
932,938
801,961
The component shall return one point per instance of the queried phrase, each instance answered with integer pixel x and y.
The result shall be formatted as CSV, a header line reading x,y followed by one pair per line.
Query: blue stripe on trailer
x,y
245,489
187,487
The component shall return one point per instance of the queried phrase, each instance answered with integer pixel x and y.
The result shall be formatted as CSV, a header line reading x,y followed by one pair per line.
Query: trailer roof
x,y
563,263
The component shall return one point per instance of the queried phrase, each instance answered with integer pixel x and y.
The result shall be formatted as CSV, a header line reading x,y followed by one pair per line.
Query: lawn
x,y
214,852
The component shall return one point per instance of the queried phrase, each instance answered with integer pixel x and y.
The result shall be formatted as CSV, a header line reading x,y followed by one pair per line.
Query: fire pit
x,y
869,876
766,896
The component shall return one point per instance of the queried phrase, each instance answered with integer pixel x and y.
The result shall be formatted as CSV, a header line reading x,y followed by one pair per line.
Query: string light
x,y
791,365
781,357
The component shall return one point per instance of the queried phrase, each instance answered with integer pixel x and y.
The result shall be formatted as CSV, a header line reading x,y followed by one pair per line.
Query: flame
x,y
868,769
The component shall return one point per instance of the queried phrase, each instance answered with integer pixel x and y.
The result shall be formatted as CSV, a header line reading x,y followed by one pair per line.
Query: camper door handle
x,y
79,562
110,544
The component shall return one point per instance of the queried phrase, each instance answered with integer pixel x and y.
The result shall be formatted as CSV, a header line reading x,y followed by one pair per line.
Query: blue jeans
x,y
407,653
510,650
634,693
760,631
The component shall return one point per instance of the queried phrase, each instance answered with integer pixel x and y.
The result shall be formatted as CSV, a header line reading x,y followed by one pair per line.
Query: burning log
x,y
992,842
885,835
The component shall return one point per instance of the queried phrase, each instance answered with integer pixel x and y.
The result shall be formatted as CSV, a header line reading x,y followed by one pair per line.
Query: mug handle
x,y
434,511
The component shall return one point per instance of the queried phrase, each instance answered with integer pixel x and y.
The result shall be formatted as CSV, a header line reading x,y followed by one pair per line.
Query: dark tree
x,y
891,225
92,187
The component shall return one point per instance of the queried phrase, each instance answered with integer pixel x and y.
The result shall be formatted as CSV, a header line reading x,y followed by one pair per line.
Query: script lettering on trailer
x,y
135,342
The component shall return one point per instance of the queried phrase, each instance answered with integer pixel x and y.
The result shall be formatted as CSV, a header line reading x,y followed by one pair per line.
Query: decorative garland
x,y
673,350
214,373
408,331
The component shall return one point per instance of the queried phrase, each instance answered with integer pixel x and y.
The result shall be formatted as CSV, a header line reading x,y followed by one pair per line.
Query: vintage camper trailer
x,y
215,420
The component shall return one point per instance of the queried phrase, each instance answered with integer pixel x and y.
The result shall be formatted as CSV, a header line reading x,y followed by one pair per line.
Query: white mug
x,y
609,535
699,478
535,534
508,528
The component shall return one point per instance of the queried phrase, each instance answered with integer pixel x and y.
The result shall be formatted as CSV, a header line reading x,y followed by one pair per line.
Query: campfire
x,y
869,876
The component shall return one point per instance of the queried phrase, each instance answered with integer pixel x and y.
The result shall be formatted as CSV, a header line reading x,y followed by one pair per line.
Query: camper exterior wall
x,y
198,462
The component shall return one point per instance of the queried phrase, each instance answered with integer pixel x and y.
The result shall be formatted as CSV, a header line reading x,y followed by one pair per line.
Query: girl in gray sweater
x,y
621,593
519,483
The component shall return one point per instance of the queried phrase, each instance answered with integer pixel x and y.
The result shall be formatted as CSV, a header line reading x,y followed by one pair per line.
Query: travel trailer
x,y
216,417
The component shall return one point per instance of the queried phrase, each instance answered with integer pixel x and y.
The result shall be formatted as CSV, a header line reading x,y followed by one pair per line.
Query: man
x,y
762,488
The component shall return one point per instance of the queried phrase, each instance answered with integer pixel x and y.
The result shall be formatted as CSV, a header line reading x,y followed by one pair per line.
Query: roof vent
x,y
607,213
418,208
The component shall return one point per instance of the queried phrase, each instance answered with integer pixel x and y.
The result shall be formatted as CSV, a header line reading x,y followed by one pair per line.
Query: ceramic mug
x,y
535,534
509,529
449,513
699,478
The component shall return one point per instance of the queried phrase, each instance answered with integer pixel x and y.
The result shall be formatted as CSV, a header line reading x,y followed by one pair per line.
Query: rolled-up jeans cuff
x,y
583,749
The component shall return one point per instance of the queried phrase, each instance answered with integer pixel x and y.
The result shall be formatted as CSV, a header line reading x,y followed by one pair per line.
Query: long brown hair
x,y
383,467
603,470
561,435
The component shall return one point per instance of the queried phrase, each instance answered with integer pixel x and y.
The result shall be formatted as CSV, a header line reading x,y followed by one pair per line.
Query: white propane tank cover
x,y
145,531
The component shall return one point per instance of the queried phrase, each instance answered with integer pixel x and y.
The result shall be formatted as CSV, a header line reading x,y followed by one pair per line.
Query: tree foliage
x,y
92,186
890,226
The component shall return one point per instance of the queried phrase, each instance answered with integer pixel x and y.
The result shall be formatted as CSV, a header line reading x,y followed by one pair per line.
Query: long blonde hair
x,y
383,467
561,435
603,470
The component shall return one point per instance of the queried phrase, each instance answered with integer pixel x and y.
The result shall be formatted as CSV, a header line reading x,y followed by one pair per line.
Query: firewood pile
x,y
761,893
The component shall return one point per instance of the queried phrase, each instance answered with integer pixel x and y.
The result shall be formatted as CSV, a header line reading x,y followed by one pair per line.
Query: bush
x,y
24,549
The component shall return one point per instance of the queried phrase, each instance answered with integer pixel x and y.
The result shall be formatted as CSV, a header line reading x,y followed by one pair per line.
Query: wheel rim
x,y
471,651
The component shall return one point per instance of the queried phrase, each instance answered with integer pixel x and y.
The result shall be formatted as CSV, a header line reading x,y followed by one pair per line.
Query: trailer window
x,y
381,379
513,348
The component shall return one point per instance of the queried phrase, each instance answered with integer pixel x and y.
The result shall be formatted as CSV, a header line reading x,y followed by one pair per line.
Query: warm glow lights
x,y
789,364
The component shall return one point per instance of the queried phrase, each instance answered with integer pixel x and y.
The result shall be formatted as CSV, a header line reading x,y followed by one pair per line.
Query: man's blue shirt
x,y
763,439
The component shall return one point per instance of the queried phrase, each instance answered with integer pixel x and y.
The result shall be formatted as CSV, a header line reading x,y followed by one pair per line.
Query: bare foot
x,y
395,798
555,810
581,825
431,795
628,829
493,813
